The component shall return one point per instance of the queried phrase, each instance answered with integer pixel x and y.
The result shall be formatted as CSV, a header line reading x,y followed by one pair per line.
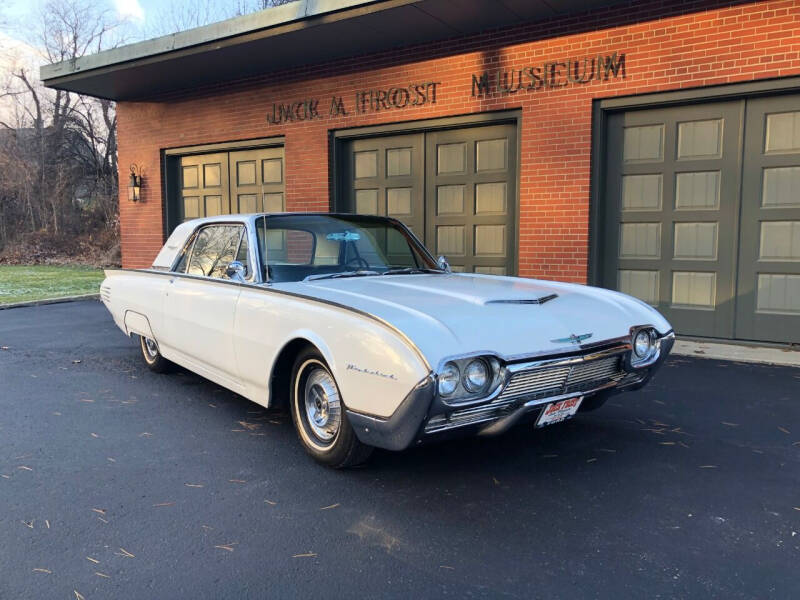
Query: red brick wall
x,y
668,46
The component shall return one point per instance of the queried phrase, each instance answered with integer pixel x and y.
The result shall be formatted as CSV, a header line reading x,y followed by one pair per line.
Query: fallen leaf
x,y
194,485
78,596
447,567
99,511
47,523
125,553
27,524
40,570
796,507
99,574
24,468
94,435
77,362
145,434
270,502
306,555
228,547
249,426
5,476
86,400
708,466
684,445
666,443
206,527
56,413
730,424
784,430
591,460
3,347
94,560
163,504
109,459
212,405
102,519
237,480
331,506
495,480
605,450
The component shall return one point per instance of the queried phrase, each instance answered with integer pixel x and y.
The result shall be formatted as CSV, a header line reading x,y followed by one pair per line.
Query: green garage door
x,y
456,189
702,217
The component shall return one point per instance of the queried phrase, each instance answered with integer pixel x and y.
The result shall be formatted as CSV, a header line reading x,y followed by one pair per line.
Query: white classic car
x,y
350,323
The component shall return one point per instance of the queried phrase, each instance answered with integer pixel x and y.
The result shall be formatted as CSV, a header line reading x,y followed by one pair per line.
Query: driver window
x,y
214,249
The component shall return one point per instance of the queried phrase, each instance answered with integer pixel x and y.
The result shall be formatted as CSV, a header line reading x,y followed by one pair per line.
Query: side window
x,y
185,254
214,249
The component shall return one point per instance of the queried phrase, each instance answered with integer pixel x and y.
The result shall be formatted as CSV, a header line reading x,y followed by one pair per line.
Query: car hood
x,y
450,314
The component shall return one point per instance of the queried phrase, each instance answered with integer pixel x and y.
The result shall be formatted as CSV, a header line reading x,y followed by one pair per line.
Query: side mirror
x,y
236,271
442,263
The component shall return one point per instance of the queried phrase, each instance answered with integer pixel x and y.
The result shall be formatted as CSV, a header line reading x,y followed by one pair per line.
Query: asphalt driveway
x,y
119,483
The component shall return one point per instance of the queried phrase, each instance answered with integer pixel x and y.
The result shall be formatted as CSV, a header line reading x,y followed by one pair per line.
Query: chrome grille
x,y
541,382
536,381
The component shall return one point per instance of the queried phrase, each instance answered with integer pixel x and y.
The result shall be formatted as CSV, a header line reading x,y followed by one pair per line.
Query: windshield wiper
x,y
360,273
409,271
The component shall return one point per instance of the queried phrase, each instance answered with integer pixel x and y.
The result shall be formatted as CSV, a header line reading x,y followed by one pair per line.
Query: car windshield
x,y
311,247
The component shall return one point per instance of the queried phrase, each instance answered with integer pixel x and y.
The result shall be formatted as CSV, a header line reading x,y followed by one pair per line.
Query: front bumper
x,y
422,417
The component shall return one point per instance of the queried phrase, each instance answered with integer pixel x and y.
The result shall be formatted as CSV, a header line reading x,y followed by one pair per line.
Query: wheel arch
x,y
280,377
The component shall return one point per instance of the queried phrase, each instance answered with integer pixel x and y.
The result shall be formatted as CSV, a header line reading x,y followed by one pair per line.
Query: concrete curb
x,y
737,353
50,301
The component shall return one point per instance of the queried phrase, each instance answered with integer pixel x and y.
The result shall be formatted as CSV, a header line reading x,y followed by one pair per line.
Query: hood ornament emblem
x,y
573,339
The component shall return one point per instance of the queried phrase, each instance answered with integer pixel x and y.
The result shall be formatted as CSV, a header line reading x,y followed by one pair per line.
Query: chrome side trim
x,y
263,288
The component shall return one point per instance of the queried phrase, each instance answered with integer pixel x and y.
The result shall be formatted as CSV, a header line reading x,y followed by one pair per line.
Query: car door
x,y
200,304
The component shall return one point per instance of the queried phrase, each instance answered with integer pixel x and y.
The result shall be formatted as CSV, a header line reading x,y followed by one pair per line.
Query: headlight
x,y
643,343
476,376
448,379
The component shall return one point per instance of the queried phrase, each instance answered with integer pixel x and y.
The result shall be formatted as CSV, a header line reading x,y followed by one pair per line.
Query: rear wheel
x,y
319,414
152,356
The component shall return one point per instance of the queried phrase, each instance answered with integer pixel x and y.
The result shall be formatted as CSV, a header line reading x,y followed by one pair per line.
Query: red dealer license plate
x,y
559,411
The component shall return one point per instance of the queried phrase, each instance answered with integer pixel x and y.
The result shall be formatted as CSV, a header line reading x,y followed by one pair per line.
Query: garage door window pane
x,y
272,170
398,162
273,203
191,207
781,187
213,206
490,240
783,132
398,202
450,199
246,173
367,202
211,176
366,164
491,155
643,143
450,240
640,240
641,284
694,290
452,158
780,240
190,177
697,191
778,294
700,139
247,203
490,198
696,241
491,270
641,192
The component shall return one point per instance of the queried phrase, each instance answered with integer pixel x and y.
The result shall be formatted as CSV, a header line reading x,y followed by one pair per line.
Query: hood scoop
x,y
541,300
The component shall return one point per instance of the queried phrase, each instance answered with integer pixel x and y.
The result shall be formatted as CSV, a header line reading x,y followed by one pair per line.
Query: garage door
x,y
702,219
455,189
231,182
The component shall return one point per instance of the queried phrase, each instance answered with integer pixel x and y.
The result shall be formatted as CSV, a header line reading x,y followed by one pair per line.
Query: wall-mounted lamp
x,y
135,183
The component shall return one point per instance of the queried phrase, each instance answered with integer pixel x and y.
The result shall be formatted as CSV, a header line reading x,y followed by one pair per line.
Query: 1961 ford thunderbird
x,y
350,323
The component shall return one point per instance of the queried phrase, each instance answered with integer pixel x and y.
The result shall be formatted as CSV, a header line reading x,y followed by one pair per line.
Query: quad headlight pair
x,y
467,378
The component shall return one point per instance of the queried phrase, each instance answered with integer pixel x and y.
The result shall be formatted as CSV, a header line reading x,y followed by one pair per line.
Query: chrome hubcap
x,y
151,348
323,408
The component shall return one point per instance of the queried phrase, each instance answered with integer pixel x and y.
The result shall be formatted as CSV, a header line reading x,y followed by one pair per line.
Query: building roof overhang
x,y
300,33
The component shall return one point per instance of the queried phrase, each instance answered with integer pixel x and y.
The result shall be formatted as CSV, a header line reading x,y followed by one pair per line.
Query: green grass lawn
x,y
23,284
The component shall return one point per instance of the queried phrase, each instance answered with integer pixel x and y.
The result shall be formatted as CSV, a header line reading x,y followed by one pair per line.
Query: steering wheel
x,y
360,263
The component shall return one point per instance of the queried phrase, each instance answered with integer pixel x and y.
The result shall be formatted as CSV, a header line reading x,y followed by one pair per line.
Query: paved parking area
x,y
119,483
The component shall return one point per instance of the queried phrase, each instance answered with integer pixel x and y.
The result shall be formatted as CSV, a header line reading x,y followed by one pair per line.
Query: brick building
x,y
648,146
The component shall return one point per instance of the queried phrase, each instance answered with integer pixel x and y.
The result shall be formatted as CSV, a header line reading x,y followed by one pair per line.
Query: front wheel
x,y
152,356
319,415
